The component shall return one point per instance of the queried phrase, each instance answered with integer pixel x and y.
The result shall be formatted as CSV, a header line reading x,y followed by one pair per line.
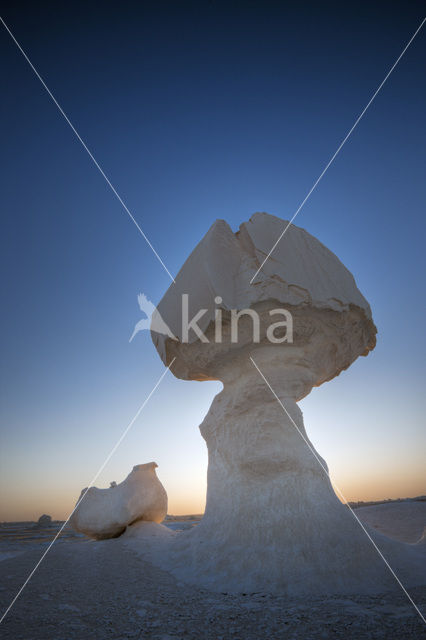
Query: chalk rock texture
x,y
301,275
272,520
105,513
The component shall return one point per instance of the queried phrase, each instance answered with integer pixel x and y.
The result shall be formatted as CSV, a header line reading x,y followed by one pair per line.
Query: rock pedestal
x,y
272,520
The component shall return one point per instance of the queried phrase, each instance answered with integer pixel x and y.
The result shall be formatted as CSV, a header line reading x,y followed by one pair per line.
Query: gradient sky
x,y
198,111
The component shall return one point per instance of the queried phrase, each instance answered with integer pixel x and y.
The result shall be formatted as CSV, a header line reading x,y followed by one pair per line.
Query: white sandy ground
x,y
404,521
103,590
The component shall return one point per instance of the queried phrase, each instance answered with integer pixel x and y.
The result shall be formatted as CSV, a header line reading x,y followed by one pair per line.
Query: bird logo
x,y
153,320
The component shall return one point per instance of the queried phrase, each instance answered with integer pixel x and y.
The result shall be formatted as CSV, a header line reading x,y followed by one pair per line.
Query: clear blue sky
x,y
198,111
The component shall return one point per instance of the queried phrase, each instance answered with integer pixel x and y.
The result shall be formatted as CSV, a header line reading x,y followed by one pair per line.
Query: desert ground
x,y
103,590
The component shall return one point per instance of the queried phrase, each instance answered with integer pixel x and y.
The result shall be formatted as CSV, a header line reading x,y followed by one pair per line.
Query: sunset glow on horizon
x,y
195,118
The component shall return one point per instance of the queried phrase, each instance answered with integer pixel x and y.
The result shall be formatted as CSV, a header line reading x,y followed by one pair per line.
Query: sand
x,y
103,590
404,521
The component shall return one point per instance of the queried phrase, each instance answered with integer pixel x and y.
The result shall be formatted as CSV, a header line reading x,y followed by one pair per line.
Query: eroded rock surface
x,y
301,275
105,513
272,520
44,521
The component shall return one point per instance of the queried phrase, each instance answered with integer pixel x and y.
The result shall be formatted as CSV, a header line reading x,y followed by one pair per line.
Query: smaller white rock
x,y
105,513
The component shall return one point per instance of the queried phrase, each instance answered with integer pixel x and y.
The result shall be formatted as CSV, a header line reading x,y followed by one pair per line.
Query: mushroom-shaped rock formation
x,y
105,513
272,520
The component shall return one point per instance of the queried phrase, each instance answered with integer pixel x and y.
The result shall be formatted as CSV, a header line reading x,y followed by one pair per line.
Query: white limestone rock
x,y
44,521
105,513
272,522
301,275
